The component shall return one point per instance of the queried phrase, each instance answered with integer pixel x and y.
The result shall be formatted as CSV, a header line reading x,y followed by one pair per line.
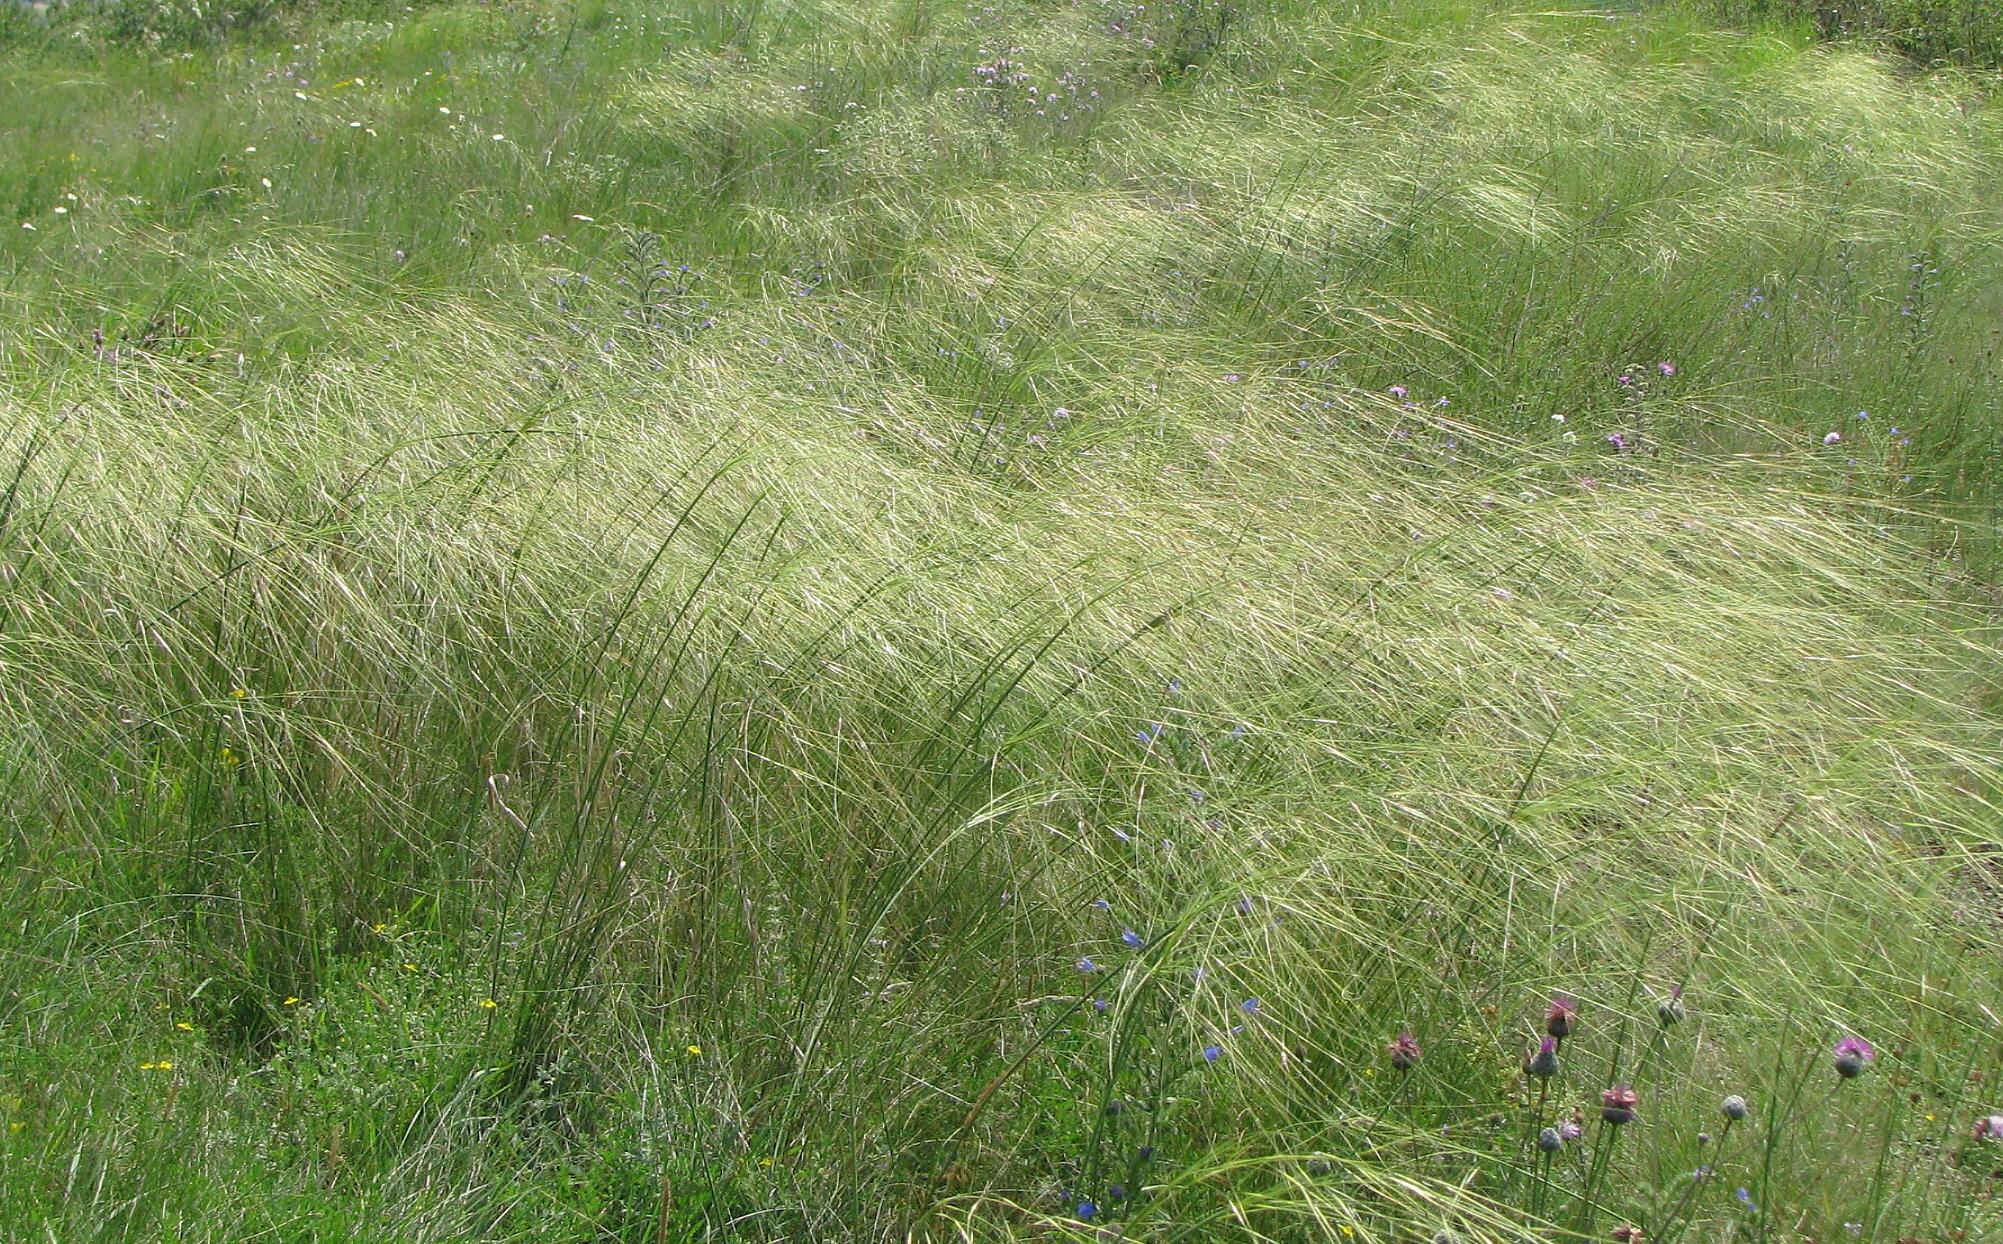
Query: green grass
x,y
591,596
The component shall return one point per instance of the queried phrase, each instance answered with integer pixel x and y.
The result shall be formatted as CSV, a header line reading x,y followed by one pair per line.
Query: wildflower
x,y
1086,1211
1617,440
1404,1051
165,1064
1549,1140
1544,1063
1133,940
1116,1192
185,1026
1746,1201
1834,438
695,1051
1100,1005
1211,1053
1853,1055
1250,1006
1628,1235
1562,1017
1398,391
1617,1105
1145,1153
290,1001
1669,1010
1989,1127
1102,904
1733,1108
1573,1128
1087,966
1666,367
488,1004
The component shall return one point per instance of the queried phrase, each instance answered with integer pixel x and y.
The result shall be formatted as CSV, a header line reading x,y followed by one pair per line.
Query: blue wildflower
x,y
1250,1006
1100,1005
1086,1211
1133,940
1211,1053
1746,1201
1102,904
1087,966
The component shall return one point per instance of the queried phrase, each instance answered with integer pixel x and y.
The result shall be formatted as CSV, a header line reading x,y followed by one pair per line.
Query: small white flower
x,y
62,211
447,111
500,138
265,182
1834,438
250,151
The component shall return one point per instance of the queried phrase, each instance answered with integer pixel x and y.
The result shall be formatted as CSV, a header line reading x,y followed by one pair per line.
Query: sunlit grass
x,y
602,682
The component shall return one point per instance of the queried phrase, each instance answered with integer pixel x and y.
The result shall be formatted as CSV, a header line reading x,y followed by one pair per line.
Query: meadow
x,y
850,620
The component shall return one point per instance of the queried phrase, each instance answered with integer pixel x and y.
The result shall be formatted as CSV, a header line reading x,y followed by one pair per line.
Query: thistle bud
x,y
1549,1140
1733,1108
1853,1055
1617,1105
1562,1017
1544,1063
1669,1010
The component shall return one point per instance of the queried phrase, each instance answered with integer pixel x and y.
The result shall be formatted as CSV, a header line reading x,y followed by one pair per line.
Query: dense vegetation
x,y
1933,32
867,619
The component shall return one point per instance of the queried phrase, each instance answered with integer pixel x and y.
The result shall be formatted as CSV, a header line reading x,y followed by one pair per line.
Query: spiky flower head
x,y
1561,1017
1617,1104
1550,1141
1853,1055
1544,1063
1404,1051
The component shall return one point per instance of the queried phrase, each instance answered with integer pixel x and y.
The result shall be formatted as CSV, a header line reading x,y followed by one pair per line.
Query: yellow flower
x,y
695,1051
229,756
410,967
16,1125
488,1004
239,693
163,1065
185,1026
290,1002
765,1161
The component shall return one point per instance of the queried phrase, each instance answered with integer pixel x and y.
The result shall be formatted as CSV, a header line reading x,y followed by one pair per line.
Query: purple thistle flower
x,y
1666,367
1989,1127
1617,1105
1404,1051
1544,1063
1562,1016
1853,1055
1572,1129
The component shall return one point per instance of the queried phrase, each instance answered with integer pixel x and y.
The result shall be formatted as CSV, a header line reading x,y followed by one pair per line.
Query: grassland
x,y
861,620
